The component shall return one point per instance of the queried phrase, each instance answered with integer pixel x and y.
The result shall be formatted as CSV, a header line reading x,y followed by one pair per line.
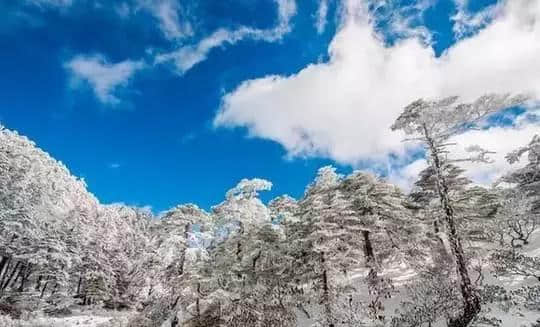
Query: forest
x,y
354,250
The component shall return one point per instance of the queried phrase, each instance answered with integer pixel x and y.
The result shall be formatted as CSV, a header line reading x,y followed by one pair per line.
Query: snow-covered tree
x,y
434,123
527,178
325,250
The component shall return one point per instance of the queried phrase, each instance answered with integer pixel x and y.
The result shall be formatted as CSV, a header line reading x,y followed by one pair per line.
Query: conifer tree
x,y
433,123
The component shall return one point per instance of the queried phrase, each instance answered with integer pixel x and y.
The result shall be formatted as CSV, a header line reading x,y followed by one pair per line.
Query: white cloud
x,y
50,3
188,56
114,165
466,22
168,13
321,18
406,176
342,109
103,77
402,20
500,139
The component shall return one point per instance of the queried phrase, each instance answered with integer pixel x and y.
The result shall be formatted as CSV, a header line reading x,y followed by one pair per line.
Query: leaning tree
x,y
433,124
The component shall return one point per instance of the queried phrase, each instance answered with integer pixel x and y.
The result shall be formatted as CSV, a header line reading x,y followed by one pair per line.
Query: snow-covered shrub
x,y
6,321
152,316
121,321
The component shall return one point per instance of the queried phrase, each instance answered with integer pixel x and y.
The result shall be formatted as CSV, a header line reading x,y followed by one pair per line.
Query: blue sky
x,y
156,102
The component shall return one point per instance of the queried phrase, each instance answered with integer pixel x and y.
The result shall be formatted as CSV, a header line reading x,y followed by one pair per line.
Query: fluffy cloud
x,y
103,77
501,139
188,56
407,175
343,108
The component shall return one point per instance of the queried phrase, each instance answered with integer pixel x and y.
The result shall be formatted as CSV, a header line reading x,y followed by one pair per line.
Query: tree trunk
x,y
198,303
54,289
3,263
4,273
38,282
13,272
43,290
471,301
20,275
326,293
79,285
368,248
25,276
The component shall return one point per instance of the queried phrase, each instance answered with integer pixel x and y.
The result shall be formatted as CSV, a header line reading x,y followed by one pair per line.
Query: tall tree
x,y
434,123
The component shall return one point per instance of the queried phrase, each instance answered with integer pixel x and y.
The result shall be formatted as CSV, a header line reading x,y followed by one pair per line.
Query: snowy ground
x,y
82,319
399,274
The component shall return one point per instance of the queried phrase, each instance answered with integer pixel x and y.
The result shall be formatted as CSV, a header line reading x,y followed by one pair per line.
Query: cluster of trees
x,y
56,239
339,256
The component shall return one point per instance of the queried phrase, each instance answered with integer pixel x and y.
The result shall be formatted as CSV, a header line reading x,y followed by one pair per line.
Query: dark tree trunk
x,y
3,263
471,300
368,248
326,292
10,277
175,302
25,276
43,290
4,274
38,282
79,285
198,303
20,275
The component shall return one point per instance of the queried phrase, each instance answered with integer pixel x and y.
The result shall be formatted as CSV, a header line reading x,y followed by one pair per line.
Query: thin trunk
x,y
326,293
25,276
394,244
198,308
302,309
20,275
368,247
13,272
257,257
55,288
3,263
4,274
471,301
43,290
198,303
175,302
38,282
183,257
79,285
370,255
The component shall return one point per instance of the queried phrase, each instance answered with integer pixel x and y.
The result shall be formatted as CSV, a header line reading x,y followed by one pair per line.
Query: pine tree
x,y
433,123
